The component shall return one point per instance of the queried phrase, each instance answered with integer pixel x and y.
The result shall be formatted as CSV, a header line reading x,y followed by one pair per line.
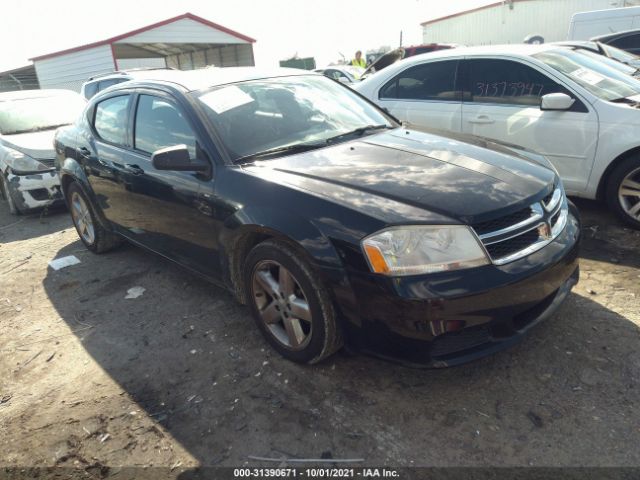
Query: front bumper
x,y
450,318
35,190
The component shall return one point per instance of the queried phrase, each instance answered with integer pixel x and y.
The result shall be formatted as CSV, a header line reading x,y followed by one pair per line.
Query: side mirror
x,y
344,80
556,101
177,159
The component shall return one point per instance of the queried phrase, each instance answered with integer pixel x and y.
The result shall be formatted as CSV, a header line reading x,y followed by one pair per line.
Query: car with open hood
x,y
330,220
28,120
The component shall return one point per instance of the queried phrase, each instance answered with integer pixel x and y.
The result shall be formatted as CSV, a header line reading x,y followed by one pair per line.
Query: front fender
x,y
299,231
276,222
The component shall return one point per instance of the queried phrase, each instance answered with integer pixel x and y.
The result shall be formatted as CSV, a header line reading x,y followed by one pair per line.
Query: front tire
x,y
6,192
91,232
623,191
291,307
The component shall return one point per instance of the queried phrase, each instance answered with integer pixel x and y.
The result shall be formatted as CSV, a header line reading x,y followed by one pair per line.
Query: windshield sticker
x,y
227,98
587,76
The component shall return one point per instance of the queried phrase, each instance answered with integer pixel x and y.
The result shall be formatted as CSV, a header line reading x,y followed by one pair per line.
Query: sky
x,y
322,29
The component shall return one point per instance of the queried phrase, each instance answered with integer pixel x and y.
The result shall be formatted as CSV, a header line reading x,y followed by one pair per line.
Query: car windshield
x,y
626,69
287,113
619,55
594,75
38,113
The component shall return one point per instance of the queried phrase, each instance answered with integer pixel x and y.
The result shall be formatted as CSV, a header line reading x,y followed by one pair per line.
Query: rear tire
x,y
91,232
623,191
291,307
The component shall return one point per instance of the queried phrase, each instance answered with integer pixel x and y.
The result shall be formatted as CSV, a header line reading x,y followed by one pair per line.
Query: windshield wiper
x,y
278,151
357,132
304,147
624,100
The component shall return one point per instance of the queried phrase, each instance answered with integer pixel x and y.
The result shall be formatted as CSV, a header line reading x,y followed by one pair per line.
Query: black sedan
x,y
317,209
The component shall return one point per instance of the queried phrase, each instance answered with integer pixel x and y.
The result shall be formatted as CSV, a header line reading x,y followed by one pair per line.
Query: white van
x,y
586,25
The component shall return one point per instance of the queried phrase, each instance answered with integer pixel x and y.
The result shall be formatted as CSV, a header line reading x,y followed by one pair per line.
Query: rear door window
x,y
159,124
110,121
428,81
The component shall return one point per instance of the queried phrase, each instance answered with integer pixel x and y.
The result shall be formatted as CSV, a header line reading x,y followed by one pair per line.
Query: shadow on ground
x,y
193,360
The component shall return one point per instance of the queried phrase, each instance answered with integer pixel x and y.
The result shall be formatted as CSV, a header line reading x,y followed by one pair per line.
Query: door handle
x,y
482,119
84,151
134,169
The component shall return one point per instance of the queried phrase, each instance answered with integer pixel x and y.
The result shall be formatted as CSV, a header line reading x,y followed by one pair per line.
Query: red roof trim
x,y
483,7
117,38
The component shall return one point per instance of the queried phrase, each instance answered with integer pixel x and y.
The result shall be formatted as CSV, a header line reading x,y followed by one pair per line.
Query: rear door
x,y
502,102
426,95
103,148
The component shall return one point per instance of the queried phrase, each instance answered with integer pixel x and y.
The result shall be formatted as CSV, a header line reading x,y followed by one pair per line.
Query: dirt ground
x,y
180,377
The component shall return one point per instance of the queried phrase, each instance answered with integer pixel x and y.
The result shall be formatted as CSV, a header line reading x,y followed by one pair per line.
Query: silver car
x,y
28,120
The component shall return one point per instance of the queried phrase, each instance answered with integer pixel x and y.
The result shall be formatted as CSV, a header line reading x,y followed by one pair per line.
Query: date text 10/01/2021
x,y
315,472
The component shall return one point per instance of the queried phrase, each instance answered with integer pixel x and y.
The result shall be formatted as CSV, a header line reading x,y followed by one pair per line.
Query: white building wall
x,y
71,70
512,22
183,31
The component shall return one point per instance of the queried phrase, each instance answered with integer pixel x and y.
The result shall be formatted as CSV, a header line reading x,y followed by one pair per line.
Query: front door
x,y
166,212
502,102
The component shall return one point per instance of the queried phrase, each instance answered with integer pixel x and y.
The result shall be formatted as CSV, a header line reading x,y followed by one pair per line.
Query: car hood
x,y
384,61
38,145
430,172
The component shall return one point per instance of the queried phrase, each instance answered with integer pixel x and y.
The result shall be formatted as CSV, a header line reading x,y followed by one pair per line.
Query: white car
x,y
577,111
346,74
28,121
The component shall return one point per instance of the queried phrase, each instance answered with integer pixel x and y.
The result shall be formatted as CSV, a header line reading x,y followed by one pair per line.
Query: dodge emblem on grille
x,y
544,230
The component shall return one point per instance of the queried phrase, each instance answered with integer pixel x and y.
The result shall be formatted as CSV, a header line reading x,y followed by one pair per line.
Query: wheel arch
x,y
602,184
72,171
249,227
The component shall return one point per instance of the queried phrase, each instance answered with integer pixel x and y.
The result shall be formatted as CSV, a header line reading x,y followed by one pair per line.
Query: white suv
x,y
574,109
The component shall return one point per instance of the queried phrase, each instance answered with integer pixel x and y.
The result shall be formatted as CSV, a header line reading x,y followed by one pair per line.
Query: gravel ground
x,y
179,377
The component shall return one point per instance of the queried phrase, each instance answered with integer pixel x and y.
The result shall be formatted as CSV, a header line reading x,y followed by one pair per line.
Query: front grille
x,y
523,232
512,245
49,162
502,222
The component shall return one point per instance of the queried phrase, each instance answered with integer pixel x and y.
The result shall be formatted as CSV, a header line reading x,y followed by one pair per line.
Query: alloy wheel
x,y
281,304
629,194
82,218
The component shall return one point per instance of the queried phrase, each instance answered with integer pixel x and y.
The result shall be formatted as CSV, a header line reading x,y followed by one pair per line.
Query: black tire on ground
x,y
104,240
325,337
13,208
614,182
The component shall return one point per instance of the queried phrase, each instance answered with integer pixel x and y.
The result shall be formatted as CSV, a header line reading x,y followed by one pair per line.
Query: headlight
x,y
413,250
21,163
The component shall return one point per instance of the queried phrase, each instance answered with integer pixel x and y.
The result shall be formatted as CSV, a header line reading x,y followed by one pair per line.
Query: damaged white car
x,y
28,121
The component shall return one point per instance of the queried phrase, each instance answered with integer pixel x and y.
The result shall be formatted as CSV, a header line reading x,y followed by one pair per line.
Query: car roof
x,y
25,94
133,73
214,76
521,49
